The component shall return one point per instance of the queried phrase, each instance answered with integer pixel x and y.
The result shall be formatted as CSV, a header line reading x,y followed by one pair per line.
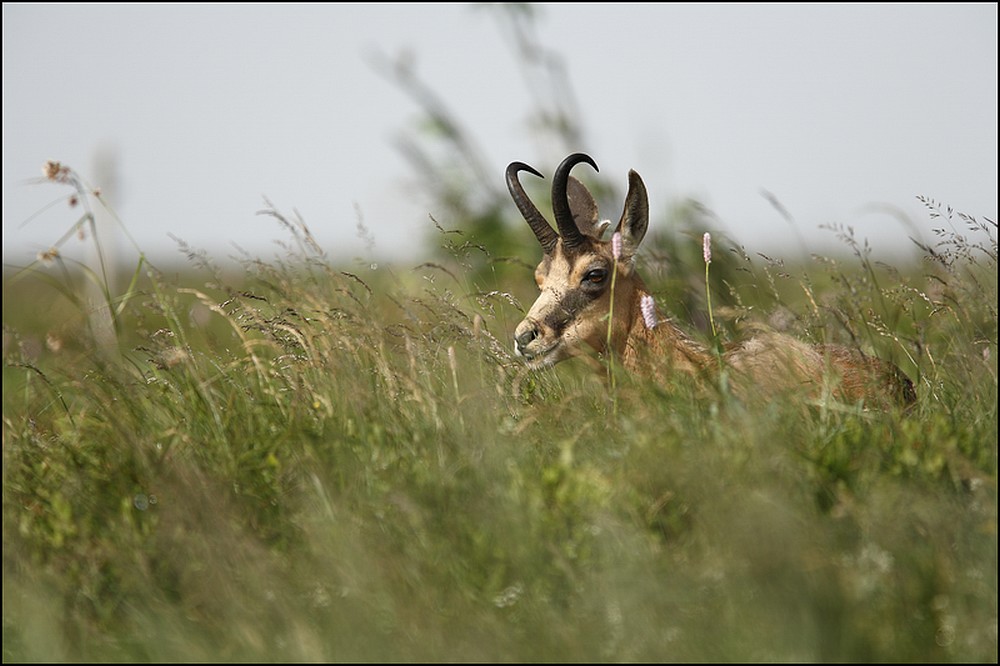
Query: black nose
x,y
524,338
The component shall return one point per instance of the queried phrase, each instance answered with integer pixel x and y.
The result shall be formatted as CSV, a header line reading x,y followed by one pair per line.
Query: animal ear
x,y
584,209
635,216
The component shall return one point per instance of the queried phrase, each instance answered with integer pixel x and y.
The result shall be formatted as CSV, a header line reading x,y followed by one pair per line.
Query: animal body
x,y
582,278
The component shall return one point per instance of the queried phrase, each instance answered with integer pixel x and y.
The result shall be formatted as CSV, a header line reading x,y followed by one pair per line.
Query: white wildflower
x,y
648,311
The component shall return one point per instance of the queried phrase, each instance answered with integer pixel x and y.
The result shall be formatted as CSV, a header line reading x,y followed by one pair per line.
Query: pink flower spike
x,y
706,247
648,306
616,245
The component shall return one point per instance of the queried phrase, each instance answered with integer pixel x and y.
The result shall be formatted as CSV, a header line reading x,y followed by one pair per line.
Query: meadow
x,y
299,460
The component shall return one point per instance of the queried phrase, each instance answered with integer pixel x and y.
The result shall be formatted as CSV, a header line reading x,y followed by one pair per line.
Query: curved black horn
x,y
545,234
571,235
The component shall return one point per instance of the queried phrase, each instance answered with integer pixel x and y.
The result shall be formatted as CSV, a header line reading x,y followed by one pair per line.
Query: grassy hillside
x,y
305,462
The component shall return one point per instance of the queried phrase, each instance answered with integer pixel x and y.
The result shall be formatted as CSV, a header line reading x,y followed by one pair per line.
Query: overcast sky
x,y
841,111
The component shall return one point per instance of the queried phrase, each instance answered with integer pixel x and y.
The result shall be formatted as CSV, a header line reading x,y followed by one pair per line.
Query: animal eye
x,y
595,276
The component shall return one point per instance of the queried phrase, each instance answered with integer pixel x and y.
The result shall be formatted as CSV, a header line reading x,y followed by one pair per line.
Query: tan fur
x,y
768,364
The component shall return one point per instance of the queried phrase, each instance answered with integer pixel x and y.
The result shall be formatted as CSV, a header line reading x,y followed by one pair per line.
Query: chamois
x,y
571,312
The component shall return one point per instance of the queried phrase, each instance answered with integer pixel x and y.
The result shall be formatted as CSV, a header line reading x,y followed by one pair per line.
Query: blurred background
x,y
369,120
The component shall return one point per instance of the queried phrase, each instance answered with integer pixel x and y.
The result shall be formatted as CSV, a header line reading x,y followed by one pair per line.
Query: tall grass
x,y
303,462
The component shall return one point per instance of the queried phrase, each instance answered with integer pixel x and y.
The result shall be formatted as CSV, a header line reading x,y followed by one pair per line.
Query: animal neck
x,y
664,346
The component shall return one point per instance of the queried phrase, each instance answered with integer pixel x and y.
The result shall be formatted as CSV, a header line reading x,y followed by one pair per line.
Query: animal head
x,y
579,269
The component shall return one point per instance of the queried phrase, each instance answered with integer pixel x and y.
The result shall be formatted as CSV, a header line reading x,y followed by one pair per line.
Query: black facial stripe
x,y
568,307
